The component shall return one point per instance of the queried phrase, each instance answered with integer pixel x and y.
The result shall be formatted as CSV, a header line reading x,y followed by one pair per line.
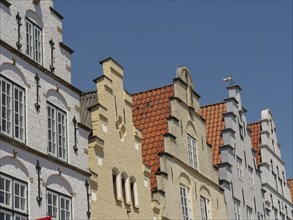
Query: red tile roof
x,y
213,114
256,139
290,181
150,112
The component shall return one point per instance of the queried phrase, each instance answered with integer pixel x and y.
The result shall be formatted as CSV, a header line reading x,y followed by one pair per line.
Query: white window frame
x,y
21,197
11,209
34,41
192,152
237,210
59,210
15,114
185,203
240,169
6,193
204,208
55,145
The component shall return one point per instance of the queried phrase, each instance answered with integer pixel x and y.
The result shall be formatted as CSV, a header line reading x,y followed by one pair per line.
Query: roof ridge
x,y
217,103
151,90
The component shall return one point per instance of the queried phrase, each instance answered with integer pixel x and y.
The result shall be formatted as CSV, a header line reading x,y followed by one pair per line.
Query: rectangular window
x,y
240,169
192,152
276,181
185,203
33,41
251,178
281,186
58,205
12,109
237,209
13,197
249,213
204,208
57,132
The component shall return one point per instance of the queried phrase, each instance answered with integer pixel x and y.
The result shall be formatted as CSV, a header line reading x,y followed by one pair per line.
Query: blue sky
x,y
250,40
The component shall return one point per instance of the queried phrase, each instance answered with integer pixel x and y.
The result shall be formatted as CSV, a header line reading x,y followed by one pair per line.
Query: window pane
x,y
52,205
33,41
5,191
6,106
51,130
184,202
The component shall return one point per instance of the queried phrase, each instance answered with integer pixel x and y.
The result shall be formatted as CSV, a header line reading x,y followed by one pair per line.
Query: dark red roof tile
x,y
153,124
213,114
256,139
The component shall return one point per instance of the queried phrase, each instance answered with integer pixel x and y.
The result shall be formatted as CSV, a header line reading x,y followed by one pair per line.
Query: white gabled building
x,y
278,203
43,147
227,132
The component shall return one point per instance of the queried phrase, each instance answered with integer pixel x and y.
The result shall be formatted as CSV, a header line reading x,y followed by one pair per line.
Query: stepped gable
x,y
150,112
213,115
290,181
87,100
256,139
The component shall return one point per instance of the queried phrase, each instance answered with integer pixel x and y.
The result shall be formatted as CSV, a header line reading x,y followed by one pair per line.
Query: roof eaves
x,y
133,94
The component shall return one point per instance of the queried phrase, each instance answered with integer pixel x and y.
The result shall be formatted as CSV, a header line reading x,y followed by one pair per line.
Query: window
x,y
13,198
12,109
259,216
33,41
281,185
133,192
57,132
276,213
114,178
249,213
240,169
276,181
251,178
58,205
185,203
237,209
192,152
204,208
240,129
123,183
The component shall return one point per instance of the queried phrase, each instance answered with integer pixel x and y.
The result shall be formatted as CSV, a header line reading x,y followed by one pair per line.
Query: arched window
x,y
133,192
124,186
114,181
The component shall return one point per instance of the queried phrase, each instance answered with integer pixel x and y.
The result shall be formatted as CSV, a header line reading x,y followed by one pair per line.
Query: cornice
x,y
40,154
38,66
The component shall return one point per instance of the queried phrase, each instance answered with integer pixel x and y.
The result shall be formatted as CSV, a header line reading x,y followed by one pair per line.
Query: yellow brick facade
x,y
116,146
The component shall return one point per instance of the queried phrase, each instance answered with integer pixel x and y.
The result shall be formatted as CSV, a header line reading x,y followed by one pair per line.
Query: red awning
x,y
45,218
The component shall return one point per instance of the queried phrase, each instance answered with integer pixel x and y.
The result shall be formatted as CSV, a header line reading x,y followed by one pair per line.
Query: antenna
x,y
229,79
